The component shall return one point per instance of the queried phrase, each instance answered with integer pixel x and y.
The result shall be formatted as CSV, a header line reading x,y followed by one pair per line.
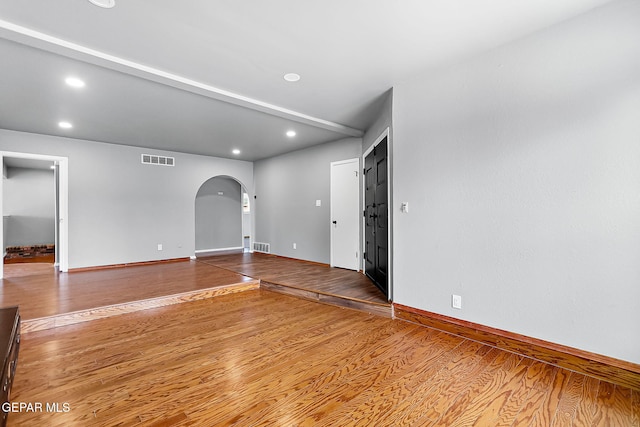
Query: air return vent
x,y
262,247
152,159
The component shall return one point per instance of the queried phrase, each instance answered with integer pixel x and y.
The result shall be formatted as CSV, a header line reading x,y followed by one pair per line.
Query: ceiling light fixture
x,y
235,151
292,77
65,125
74,82
291,133
107,4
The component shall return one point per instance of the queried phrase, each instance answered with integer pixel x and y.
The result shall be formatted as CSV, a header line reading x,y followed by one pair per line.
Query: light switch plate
x,y
456,301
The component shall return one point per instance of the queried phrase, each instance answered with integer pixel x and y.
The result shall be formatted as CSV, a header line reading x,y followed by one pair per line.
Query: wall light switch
x,y
456,301
404,207
318,202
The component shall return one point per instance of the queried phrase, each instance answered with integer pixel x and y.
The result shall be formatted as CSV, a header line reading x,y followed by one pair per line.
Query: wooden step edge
x,y
335,300
328,294
65,319
605,368
131,264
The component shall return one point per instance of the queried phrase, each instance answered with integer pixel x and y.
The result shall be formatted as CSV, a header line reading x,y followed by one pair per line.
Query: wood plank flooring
x,y
28,269
301,275
48,293
260,358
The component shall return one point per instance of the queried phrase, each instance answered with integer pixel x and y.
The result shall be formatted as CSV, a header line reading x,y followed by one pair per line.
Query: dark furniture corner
x,y
9,345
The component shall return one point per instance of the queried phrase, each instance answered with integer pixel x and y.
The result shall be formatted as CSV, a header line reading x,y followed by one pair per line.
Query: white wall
x,y
381,124
522,169
120,209
287,188
29,207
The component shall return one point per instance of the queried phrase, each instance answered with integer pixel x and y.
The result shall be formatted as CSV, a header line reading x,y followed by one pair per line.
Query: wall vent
x,y
152,159
262,247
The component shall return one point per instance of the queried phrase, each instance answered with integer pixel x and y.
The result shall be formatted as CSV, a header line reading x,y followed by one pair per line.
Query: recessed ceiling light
x,y
74,82
235,151
65,125
291,133
292,77
107,4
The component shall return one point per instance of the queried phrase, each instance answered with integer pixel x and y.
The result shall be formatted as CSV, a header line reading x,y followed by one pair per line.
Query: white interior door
x,y
345,209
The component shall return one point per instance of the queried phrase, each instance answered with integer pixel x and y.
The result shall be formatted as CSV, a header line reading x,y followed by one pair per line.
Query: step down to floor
x,y
65,319
380,309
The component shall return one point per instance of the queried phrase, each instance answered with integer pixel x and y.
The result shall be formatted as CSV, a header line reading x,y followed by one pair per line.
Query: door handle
x,y
335,222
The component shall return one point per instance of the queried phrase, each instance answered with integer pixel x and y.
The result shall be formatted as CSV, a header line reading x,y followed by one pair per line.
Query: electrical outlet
x,y
456,301
159,246
294,246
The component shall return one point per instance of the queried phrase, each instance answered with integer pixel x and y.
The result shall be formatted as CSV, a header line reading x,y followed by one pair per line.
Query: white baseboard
x,y
213,251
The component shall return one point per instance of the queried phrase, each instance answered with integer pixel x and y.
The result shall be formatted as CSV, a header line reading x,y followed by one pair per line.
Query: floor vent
x,y
262,247
152,159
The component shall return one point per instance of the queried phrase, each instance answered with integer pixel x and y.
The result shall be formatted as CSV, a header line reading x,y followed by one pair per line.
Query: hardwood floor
x,y
300,275
48,293
12,270
42,292
260,358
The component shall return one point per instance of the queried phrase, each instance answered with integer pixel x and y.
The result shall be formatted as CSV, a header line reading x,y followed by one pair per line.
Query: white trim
x,y
73,50
63,202
202,251
358,169
385,134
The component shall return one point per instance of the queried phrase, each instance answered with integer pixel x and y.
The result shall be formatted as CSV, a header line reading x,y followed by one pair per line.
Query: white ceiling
x,y
206,76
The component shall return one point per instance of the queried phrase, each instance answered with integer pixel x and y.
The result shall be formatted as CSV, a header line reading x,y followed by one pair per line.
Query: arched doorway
x,y
222,222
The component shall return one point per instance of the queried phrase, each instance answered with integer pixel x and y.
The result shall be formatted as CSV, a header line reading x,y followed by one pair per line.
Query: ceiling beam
x,y
72,50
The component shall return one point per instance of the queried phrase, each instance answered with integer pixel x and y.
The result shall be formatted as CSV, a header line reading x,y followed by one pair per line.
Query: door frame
x,y
356,213
62,202
385,134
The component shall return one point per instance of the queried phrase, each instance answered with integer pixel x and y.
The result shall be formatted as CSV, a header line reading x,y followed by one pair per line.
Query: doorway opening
x,y
34,204
223,217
